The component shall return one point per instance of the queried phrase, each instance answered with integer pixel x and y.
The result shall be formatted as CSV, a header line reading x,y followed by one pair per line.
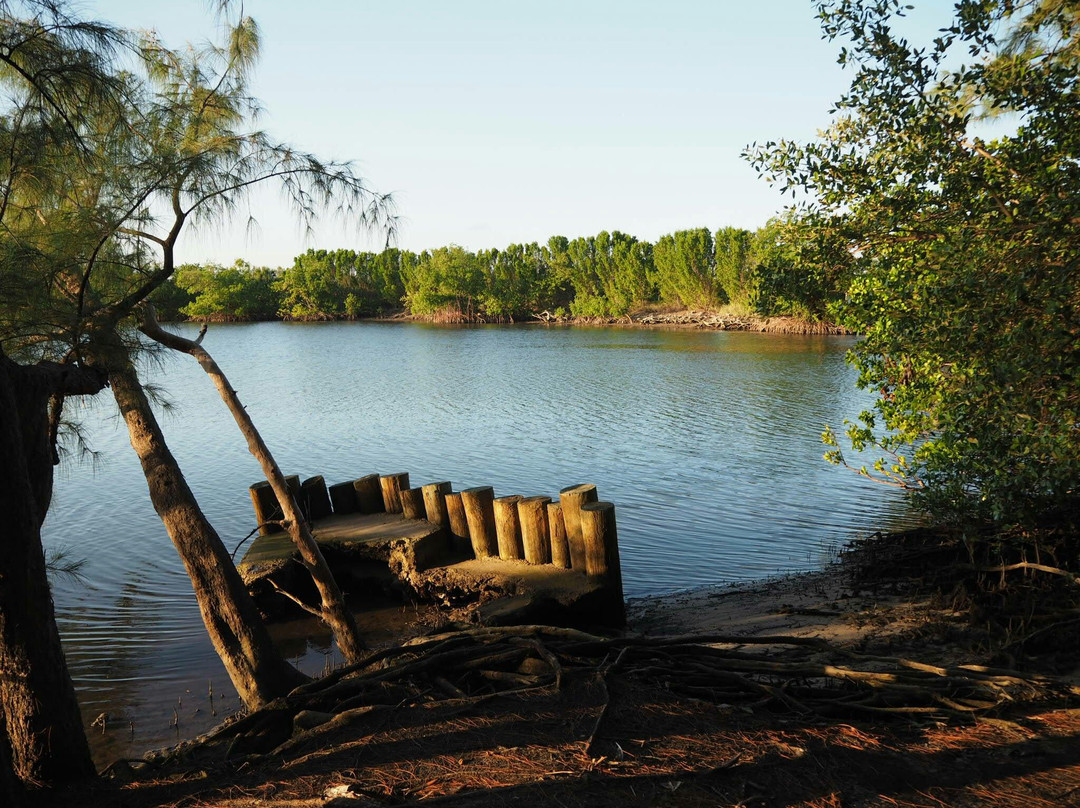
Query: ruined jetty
x,y
509,559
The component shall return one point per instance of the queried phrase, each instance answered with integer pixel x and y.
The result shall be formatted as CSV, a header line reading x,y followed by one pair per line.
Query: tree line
x,y
768,272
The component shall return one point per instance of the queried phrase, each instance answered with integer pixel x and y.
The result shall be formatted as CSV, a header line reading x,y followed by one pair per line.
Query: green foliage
x,y
735,264
685,269
239,292
966,248
169,300
449,279
799,268
603,276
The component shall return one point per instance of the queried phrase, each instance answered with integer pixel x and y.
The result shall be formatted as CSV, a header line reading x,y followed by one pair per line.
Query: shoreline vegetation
x,y
705,320
728,279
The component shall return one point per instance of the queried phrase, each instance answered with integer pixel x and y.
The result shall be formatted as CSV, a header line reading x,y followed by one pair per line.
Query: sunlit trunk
x,y
241,640
333,611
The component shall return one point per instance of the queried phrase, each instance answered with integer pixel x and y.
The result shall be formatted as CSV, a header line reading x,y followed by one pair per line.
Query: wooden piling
x,y
266,507
293,483
602,556
532,512
508,527
480,513
412,503
572,499
313,493
369,494
459,524
435,503
392,486
343,497
560,550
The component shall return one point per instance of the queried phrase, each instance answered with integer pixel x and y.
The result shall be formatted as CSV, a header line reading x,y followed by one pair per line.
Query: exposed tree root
x,y
459,670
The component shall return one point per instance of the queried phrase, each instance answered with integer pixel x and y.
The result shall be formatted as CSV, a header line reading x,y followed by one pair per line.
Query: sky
x,y
495,122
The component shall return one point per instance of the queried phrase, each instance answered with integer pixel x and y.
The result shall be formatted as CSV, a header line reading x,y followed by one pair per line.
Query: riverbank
x,y
761,714
706,320
725,319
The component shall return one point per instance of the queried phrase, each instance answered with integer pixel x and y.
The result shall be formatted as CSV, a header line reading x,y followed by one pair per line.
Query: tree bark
x,y
45,741
255,667
334,613
11,788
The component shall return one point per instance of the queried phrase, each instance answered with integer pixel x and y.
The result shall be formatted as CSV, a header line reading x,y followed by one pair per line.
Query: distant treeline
x,y
768,272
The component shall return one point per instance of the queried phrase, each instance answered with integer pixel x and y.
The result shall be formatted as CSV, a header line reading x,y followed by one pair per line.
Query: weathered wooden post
x,y
602,557
313,492
435,503
532,512
572,498
343,497
459,524
266,507
293,482
508,527
560,549
412,503
392,486
480,513
369,494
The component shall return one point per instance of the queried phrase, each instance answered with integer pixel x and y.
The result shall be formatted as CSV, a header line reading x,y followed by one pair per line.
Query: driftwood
x,y
463,669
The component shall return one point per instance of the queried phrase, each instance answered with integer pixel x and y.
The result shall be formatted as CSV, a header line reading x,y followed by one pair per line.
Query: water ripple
x,y
707,443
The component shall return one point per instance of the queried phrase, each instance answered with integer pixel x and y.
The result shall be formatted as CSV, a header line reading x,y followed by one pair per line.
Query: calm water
x,y
708,443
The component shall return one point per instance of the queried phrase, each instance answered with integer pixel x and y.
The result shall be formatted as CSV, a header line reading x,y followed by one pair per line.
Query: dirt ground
x,y
629,741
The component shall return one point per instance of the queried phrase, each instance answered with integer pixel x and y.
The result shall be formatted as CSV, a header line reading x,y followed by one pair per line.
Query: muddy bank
x,y
542,716
685,318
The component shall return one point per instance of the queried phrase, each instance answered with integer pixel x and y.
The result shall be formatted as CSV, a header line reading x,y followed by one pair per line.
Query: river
x,y
707,442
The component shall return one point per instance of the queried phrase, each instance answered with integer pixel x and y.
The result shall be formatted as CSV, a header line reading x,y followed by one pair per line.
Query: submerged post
x,y
572,499
479,506
532,512
508,527
560,550
602,557
392,486
368,494
412,503
435,503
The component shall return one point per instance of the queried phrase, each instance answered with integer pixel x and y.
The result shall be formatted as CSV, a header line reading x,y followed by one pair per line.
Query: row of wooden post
x,y
576,532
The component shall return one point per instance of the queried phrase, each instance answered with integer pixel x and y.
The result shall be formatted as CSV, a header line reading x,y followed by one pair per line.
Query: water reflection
x,y
707,442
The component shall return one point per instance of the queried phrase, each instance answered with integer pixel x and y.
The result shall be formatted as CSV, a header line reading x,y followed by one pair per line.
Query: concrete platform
x,y
339,531
419,561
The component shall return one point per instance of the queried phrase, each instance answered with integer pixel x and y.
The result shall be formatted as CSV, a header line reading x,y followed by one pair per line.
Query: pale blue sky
x,y
500,122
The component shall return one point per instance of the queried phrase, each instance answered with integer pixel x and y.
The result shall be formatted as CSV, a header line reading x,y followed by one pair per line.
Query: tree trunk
x,y
256,668
334,613
11,789
45,737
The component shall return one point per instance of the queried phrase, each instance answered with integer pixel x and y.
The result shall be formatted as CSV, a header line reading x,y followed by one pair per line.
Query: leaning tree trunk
x,y
241,640
45,738
333,611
